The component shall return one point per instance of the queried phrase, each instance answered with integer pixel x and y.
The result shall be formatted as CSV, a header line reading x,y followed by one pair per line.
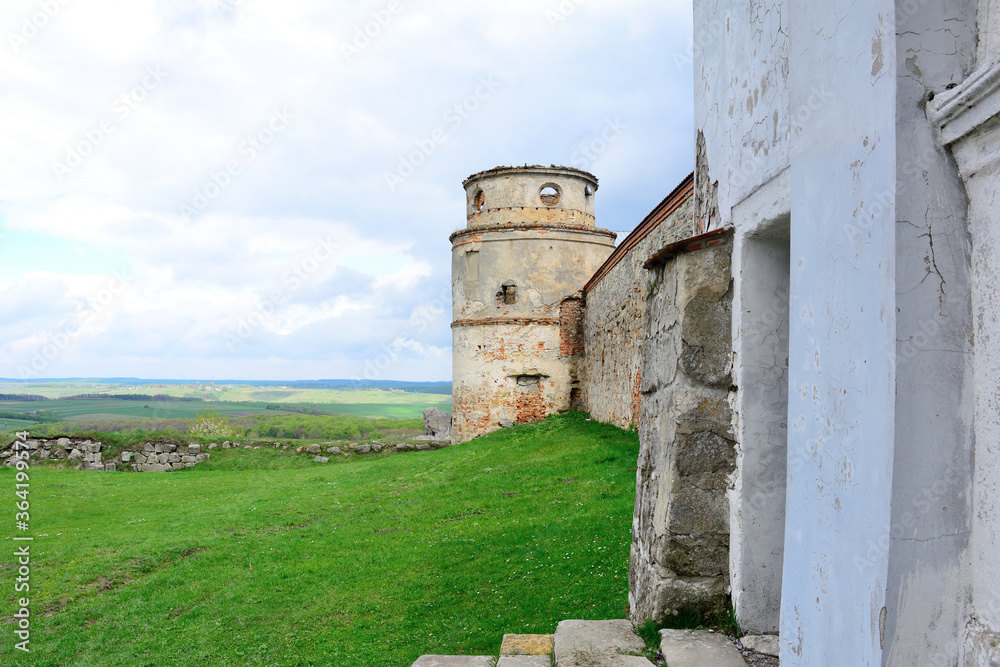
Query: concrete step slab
x,y
526,645
766,644
598,644
455,661
699,648
525,661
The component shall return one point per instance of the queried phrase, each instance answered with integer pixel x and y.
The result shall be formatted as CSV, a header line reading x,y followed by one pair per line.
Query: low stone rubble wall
x,y
89,454
86,454
162,457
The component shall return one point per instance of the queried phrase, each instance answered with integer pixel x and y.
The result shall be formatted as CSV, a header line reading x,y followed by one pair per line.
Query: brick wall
x,y
571,328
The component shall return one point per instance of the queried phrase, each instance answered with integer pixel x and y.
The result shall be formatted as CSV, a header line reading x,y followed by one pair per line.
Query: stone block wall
x,y
680,536
86,454
163,457
614,320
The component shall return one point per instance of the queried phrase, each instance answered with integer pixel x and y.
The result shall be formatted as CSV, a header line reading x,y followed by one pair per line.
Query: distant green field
x,y
104,408
15,424
334,396
110,409
234,400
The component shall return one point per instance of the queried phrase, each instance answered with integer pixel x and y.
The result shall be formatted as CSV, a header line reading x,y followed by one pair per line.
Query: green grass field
x,y
259,558
15,424
397,405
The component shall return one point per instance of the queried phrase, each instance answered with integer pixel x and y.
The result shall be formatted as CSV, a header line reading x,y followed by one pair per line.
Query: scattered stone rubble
x,y
437,424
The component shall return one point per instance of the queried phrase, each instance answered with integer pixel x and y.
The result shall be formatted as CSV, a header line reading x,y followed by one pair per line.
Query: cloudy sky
x,y
254,189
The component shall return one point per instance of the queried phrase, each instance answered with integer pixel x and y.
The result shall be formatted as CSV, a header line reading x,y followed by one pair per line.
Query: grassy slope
x,y
259,559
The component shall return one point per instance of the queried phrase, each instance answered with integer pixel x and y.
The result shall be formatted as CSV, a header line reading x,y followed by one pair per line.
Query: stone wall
x,y
680,535
615,312
86,454
162,457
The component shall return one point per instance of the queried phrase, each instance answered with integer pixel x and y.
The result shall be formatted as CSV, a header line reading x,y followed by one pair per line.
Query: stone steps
x,y
600,644
699,648
575,644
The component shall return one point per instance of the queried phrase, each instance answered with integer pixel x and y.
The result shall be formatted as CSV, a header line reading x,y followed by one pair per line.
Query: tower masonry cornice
x,y
553,170
484,234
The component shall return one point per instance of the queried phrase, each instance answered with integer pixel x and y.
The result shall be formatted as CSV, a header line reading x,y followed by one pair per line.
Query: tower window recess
x,y
550,194
508,293
479,200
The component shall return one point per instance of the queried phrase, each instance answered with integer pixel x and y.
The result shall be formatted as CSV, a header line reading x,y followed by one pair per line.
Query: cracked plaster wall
x,y
967,117
928,585
841,397
741,101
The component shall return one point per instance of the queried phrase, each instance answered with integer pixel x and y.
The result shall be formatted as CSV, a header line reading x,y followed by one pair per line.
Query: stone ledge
x,y
967,107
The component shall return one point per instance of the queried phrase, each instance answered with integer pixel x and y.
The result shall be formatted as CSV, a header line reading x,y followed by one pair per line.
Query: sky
x,y
263,190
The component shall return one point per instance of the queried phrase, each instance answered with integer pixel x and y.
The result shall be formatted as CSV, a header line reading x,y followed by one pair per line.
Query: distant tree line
x,y
138,397
22,397
297,409
325,427
40,417
357,385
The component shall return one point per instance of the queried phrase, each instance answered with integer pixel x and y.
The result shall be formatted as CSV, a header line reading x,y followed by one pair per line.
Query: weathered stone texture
x,y
691,648
437,423
681,526
614,319
593,643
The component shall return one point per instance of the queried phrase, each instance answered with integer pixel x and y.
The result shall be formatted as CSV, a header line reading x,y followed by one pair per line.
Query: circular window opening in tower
x,y
479,200
550,194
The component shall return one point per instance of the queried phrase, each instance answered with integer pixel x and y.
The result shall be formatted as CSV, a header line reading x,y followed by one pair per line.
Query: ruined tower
x,y
518,269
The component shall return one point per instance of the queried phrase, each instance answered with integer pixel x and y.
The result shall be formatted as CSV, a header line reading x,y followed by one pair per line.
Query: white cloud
x,y
316,186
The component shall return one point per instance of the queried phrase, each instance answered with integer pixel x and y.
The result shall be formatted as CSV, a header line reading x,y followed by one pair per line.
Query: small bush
x,y
212,424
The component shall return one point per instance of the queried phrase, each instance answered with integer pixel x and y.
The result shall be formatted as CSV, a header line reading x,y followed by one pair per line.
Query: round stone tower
x,y
518,270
